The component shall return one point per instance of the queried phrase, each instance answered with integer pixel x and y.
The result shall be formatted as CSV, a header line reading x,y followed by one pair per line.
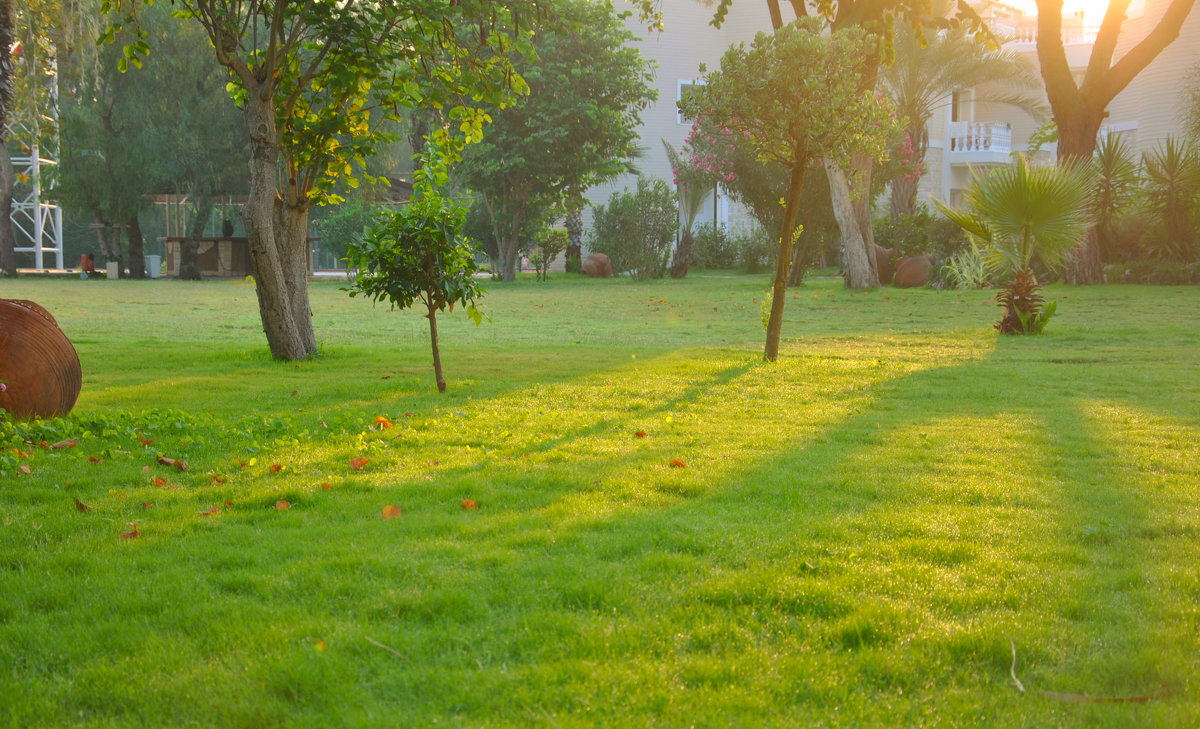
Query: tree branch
x,y
1140,56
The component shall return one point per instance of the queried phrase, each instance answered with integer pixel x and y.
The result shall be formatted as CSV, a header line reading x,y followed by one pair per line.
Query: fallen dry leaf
x,y
228,502
144,440
391,511
276,468
218,479
24,468
469,504
327,486
214,509
147,505
131,534
159,482
358,463
93,459
382,423
640,434
80,506
180,464
68,443
677,463
282,505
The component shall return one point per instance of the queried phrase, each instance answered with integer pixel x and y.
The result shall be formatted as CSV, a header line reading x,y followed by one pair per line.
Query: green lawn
x,y
862,533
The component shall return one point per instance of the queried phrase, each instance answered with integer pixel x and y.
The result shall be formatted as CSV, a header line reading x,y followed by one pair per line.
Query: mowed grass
x,y
862,535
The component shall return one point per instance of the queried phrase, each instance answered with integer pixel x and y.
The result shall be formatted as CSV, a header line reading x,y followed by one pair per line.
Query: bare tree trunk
x,y
574,235
860,270
903,197
1075,141
274,303
509,244
137,253
8,241
188,270
783,262
437,355
291,233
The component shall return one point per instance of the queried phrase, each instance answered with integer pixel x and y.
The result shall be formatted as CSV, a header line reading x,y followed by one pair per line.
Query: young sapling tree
x,y
418,254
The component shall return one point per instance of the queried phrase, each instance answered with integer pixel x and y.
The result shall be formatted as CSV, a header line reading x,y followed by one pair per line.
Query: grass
x,y
861,535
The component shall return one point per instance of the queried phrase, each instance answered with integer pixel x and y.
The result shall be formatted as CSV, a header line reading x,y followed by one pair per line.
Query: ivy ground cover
x,y
617,515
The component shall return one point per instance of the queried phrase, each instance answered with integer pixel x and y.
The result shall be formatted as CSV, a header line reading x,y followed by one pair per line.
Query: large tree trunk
x,y
683,255
783,263
509,245
1077,139
8,241
137,253
860,271
274,302
291,234
188,250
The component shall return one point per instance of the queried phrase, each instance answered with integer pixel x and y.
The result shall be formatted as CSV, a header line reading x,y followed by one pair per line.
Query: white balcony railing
x,y
980,141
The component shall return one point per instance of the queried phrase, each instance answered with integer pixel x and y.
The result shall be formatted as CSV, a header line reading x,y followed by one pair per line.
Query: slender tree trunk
x,y
903,197
8,241
274,303
574,236
800,258
860,270
137,253
437,355
510,254
783,262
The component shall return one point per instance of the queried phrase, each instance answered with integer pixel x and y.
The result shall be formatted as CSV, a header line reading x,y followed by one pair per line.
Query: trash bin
x,y
154,266
114,269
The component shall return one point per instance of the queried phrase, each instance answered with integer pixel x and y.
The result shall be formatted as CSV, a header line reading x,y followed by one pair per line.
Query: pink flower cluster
x,y
711,152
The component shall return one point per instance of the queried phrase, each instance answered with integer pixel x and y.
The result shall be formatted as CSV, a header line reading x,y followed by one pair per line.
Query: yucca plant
x,y
1172,186
1021,213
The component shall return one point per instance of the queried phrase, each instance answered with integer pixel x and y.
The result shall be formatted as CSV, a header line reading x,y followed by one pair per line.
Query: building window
x,y
682,89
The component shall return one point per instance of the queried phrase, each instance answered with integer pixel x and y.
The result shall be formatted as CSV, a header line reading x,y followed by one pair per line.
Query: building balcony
x,y
979,143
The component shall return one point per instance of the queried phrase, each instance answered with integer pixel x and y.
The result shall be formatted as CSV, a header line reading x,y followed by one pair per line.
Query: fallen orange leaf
x,y
469,504
24,468
147,505
391,511
327,486
93,459
144,440
382,422
68,443
640,434
210,511
276,468
132,534
159,482
80,506
217,479
282,505
358,463
180,464
677,463
228,502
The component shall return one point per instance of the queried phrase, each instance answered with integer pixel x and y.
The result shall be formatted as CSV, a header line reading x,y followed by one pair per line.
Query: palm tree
x,y
1116,188
929,66
694,189
1021,213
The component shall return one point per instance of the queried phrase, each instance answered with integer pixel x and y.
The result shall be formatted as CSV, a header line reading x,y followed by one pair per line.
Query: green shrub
x,y
636,229
712,248
755,248
922,232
